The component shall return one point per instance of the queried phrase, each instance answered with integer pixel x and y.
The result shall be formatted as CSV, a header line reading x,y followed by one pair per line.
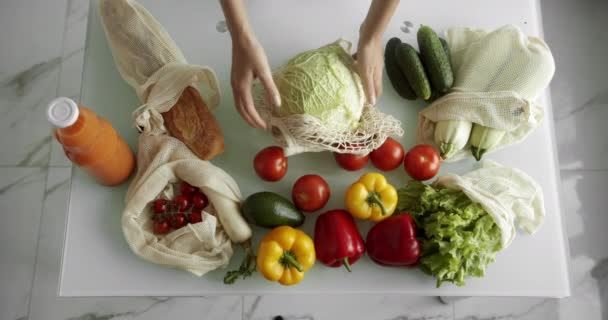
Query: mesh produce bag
x,y
497,75
164,161
510,196
305,132
151,63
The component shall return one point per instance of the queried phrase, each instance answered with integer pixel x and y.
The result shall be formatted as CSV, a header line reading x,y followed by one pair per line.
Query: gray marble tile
x,y
29,69
21,193
71,65
45,304
581,136
585,216
506,308
579,91
584,209
321,307
573,31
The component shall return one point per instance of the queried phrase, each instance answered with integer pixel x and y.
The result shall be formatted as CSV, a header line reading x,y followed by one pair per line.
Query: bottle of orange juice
x,y
91,142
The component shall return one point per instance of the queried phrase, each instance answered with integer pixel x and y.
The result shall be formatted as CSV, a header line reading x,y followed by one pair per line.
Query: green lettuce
x,y
458,239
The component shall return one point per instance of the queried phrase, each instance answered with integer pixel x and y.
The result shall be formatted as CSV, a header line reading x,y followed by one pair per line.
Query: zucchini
x,y
398,80
451,136
435,60
410,64
484,139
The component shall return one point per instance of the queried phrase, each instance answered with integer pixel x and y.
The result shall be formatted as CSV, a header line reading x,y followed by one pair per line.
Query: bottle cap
x,y
62,112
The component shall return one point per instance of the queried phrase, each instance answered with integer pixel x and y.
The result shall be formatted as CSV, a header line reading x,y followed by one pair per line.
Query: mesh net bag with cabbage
x,y
323,105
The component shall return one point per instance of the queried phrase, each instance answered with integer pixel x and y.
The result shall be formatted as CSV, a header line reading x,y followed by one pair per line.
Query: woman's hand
x,y
369,66
370,58
248,63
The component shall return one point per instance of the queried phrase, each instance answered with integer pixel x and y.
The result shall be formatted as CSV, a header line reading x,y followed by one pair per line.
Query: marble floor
x,y
41,56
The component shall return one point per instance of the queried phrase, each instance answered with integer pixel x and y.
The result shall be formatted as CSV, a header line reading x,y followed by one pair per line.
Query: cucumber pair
x,y
425,75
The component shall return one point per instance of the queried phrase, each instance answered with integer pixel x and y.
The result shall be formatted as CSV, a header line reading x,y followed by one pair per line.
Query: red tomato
x,y
310,192
195,216
182,203
160,206
187,189
422,162
389,156
351,162
177,220
270,163
160,226
199,201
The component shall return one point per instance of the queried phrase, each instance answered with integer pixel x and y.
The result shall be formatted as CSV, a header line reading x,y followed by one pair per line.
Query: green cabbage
x,y
323,84
459,238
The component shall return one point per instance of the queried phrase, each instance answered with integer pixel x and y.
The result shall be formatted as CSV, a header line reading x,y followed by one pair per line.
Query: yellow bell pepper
x,y
285,254
371,198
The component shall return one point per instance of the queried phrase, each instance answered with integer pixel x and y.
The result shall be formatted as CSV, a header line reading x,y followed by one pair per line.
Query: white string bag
x,y
497,75
302,132
150,61
154,66
509,195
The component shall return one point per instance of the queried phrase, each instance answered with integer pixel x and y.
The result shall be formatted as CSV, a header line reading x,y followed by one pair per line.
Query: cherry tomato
x,y
159,206
195,216
160,226
351,162
199,201
177,220
310,192
182,203
389,156
270,163
422,162
187,189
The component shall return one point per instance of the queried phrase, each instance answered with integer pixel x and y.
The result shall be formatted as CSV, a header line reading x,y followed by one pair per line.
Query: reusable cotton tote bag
x,y
149,60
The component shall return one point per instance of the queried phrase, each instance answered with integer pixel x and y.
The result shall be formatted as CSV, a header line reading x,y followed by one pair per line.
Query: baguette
x,y
191,121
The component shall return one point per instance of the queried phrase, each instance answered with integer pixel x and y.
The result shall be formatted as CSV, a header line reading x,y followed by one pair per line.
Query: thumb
x,y
368,85
271,90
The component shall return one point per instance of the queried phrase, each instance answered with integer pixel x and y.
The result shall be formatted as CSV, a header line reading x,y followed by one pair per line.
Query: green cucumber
x,y
411,66
398,79
446,48
435,59
269,210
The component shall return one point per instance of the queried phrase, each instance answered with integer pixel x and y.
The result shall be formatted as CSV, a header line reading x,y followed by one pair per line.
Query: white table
x,y
97,260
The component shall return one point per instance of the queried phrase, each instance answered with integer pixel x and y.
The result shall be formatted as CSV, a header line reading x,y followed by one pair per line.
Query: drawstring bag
x,y
497,76
323,105
509,195
150,61
154,66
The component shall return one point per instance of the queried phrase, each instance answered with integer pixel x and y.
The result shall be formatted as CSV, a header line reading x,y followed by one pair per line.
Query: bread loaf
x,y
191,121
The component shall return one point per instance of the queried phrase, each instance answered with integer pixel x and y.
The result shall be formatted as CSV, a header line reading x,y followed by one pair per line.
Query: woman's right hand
x,y
248,63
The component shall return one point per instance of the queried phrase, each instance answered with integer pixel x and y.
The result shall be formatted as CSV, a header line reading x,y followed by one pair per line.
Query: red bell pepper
x,y
392,242
337,240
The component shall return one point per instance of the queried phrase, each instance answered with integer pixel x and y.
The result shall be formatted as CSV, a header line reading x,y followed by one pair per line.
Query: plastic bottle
x,y
91,142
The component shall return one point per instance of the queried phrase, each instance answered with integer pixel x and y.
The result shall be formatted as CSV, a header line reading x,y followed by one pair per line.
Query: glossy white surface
x,y
579,99
94,214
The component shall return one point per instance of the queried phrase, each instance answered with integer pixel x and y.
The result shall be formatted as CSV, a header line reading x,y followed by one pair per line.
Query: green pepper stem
x,y
290,260
347,265
374,199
